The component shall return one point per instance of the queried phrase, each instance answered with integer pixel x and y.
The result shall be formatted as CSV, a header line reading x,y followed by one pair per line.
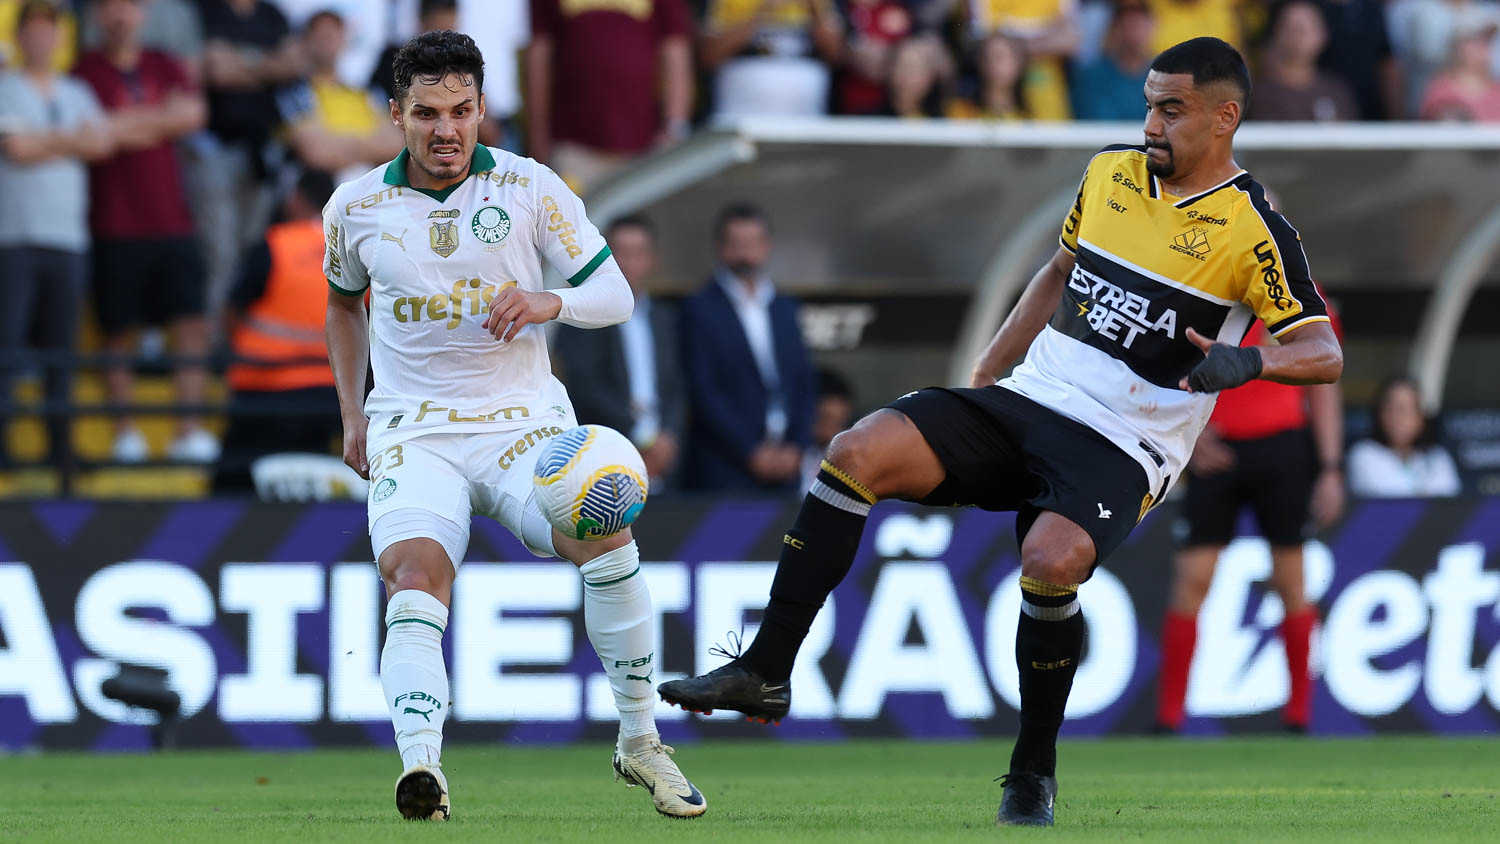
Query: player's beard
x,y
444,170
1165,169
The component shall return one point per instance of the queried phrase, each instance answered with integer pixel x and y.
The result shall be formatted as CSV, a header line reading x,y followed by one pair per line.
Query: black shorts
x,y
147,282
1003,451
1273,476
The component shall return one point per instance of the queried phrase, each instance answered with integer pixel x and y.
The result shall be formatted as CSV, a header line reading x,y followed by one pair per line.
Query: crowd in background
x,y
149,149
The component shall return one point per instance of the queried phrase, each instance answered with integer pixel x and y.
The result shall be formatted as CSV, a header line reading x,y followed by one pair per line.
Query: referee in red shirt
x,y
1277,449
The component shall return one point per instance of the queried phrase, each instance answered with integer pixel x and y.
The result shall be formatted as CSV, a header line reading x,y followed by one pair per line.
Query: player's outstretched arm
x,y
1026,320
346,326
1307,355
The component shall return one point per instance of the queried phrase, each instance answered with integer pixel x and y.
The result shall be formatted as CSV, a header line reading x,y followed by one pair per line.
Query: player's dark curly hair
x,y
1209,60
432,55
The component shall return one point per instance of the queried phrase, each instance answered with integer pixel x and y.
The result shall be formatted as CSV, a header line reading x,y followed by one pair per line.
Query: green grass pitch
x,y
1262,789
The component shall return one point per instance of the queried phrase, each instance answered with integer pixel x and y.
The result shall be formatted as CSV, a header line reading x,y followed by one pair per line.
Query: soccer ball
x,y
590,482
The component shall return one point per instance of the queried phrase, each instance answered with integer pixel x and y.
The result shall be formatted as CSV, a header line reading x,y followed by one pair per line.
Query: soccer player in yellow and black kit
x,y
1129,331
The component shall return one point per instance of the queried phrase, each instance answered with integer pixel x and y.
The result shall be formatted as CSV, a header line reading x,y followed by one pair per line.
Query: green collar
x,y
395,172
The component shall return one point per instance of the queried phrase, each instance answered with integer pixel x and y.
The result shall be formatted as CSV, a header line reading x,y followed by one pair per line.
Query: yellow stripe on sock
x,y
1042,587
859,489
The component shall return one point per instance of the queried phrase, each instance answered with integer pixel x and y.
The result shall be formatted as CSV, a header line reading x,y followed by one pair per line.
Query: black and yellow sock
x,y
815,557
1049,644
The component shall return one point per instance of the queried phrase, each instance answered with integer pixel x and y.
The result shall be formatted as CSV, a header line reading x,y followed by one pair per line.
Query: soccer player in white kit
x,y
449,241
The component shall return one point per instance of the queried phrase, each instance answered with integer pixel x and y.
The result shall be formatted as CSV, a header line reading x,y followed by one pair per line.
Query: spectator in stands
x,y
832,415
1468,90
248,51
1109,87
1179,20
63,55
1002,91
432,16
875,28
750,382
629,376
1048,33
586,130
932,15
147,267
1290,86
1431,30
333,127
283,397
1402,457
365,25
770,57
1359,52
172,26
50,126
918,67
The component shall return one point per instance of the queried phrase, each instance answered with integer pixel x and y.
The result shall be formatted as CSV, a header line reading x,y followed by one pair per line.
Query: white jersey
x,y
432,262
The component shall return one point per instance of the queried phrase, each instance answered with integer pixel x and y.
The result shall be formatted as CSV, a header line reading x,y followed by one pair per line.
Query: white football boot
x,y
422,794
647,763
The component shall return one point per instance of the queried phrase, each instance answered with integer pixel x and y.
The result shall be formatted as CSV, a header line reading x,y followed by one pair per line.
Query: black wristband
x,y
1225,367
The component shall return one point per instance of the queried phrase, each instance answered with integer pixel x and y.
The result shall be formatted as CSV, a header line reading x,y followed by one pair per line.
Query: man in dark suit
x,y
750,383
628,376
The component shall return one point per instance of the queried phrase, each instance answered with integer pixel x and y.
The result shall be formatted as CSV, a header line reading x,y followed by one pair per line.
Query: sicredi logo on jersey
x,y
1111,309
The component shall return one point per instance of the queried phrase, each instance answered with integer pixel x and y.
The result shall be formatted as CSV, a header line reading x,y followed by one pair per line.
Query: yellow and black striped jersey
x,y
1149,266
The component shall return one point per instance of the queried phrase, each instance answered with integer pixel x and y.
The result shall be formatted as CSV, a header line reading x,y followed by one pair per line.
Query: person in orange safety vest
x,y
283,395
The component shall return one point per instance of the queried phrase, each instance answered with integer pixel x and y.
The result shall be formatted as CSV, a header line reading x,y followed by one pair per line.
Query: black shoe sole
x,y
755,717
418,796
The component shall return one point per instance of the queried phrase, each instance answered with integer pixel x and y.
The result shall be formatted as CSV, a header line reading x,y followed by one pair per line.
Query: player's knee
x,y
420,568
420,579
870,451
1060,565
852,452
1188,595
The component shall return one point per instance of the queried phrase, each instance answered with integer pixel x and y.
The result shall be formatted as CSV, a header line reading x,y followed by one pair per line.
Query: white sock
x,y
413,675
617,615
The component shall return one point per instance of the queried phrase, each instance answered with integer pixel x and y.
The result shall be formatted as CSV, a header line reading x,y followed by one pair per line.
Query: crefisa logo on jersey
x,y
490,224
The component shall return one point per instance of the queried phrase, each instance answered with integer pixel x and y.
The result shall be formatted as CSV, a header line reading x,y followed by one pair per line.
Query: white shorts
x,y
430,485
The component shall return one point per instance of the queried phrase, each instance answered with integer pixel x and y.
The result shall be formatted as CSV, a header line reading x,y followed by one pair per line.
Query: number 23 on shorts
x,y
379,465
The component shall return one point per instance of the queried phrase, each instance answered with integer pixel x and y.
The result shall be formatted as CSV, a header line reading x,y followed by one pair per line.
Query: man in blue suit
x,y
750,382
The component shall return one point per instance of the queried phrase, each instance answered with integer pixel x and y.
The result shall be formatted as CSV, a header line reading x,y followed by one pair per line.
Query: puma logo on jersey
x,y
384,236
1103,513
